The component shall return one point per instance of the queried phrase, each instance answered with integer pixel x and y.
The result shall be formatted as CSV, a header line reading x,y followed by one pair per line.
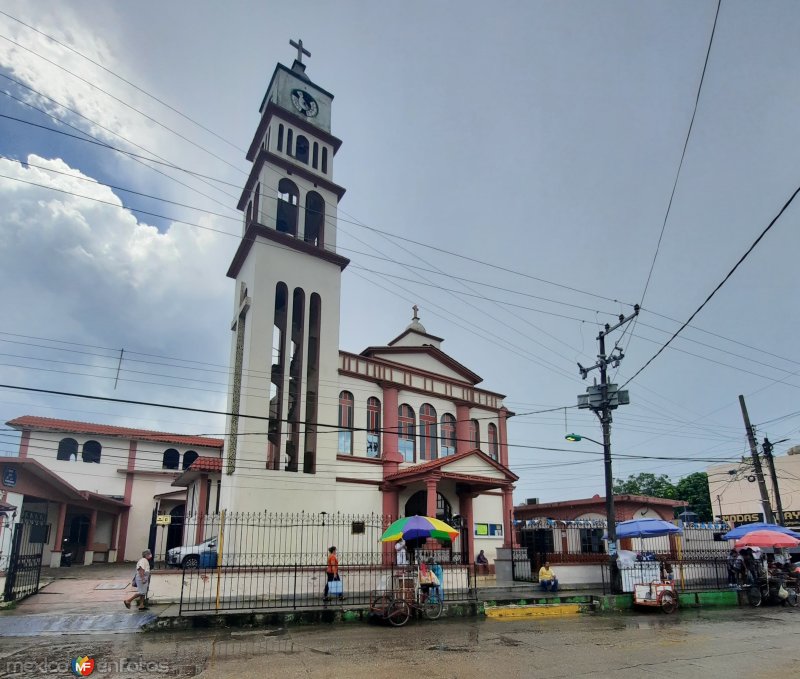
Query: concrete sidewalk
x,y
88,599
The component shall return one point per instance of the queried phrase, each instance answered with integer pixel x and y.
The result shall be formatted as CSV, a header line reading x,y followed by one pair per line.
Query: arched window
x,y
278,362
474,434
373,427
301,149
266,143
428,437
67,450
188,457
288,199
312,383
406,432
280,137
346,423
256,200
315,156
289,142
448,435
315,219
171,459
249,213
324,160
91,451
492,442
295,380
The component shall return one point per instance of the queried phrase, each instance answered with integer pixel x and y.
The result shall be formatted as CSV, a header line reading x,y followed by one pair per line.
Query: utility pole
x,y
762,487
775,490
602,399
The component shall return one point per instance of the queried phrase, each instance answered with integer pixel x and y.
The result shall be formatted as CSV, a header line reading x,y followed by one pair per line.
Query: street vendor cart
x,y
651,583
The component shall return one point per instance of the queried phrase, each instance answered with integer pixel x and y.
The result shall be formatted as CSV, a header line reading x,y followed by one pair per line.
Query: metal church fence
x,y
267,561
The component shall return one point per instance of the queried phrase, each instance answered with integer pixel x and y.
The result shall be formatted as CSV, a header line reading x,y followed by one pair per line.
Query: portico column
x,y
89,554
113,554
430,486
508,511
55,555
503,416
462,428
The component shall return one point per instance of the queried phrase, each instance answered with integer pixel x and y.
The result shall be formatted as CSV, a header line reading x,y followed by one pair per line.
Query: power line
x,y
721,283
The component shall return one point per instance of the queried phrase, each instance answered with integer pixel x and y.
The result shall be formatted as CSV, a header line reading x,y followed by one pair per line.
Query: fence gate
x,y
25,560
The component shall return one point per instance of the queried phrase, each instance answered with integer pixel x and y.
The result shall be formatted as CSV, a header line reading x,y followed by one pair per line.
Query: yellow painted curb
x,y
532,611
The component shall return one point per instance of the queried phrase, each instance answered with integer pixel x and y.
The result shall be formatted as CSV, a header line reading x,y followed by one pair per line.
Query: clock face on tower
x,y
305,103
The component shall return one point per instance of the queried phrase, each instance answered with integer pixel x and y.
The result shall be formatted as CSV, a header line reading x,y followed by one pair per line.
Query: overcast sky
x,y
540,137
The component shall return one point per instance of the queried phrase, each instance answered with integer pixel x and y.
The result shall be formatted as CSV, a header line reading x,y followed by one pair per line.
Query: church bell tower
x,y
285,327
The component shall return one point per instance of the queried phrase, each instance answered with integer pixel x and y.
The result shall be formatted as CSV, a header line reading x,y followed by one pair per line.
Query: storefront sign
x,y
792,517
9,476
740,519
163,520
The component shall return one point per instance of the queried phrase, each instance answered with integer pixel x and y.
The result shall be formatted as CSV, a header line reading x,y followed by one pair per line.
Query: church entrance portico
x,y
464,477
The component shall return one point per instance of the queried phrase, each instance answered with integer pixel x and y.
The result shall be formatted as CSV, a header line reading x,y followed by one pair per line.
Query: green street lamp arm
x,y
581,437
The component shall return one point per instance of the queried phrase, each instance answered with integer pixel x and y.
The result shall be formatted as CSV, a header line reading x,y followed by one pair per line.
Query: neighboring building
x,y
572,531
594,508
96,487
735,495
396,430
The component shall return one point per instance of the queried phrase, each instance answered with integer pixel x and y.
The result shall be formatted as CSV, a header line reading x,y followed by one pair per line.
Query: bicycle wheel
x,y
669,603
398,613
754,596
432,606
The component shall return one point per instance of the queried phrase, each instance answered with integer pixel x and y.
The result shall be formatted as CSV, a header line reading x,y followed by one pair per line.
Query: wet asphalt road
x,y
728,642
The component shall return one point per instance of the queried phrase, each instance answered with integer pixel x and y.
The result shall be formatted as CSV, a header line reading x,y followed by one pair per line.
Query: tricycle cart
x,y
658,591
396,605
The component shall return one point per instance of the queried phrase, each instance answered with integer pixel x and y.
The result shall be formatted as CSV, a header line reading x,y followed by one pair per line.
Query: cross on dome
x,y
416,310
300,50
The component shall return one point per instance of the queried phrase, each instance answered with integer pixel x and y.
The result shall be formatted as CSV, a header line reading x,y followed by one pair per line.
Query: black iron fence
x,y
277,561
23,564
692,572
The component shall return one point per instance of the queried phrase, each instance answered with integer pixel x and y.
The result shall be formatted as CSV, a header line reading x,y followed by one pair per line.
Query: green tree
x,y
646,484
694,489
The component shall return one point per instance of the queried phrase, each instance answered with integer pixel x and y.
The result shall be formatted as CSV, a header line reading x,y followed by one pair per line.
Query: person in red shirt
x,y
332,570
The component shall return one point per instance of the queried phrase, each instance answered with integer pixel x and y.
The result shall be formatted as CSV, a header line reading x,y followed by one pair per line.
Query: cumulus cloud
x,y
91,272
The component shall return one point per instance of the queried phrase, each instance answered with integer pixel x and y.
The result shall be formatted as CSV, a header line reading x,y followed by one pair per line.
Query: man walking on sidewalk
x,y
141,580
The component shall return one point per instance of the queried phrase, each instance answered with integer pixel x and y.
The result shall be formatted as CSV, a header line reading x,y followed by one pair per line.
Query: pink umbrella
x,y
766,538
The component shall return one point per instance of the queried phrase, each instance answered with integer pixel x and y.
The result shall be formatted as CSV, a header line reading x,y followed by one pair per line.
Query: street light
x,y
581,437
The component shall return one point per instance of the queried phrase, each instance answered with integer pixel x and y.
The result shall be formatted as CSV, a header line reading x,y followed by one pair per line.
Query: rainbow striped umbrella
x,y
413,527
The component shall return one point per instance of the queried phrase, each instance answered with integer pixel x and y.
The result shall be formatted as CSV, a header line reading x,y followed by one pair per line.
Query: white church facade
x,y
397,429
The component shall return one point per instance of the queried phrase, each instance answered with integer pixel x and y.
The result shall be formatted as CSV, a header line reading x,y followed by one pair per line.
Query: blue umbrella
x,y
741,531
646,528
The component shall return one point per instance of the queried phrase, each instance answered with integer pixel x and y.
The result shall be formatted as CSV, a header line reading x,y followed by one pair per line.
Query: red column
x,y
62,517
430,487
24,442
508,510
123,526
391,455
114,533
465,507
503,436
92,529
462,428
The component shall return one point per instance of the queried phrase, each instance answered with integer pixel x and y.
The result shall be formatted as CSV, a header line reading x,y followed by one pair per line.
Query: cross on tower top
x,y
416,311
300,50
